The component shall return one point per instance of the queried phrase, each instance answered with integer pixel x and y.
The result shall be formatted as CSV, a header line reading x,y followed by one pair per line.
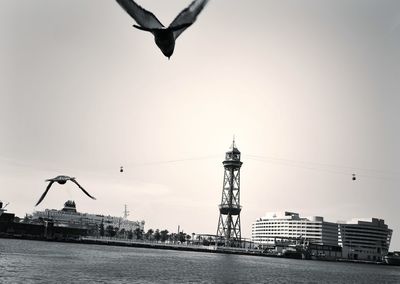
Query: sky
x,y
308,88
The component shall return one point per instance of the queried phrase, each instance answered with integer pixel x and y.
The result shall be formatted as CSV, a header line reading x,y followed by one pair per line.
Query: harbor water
x,y
23,261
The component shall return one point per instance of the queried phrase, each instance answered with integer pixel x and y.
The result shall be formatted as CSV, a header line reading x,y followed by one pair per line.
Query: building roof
x,y
365,221
286,215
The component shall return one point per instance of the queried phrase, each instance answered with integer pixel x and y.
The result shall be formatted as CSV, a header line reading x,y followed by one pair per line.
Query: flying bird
x,y
164,37
61,180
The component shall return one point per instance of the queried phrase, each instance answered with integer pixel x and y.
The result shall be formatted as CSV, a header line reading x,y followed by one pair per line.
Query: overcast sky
x,y
310,89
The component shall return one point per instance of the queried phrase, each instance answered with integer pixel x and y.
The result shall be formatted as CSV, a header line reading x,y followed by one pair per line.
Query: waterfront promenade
x,y
168,246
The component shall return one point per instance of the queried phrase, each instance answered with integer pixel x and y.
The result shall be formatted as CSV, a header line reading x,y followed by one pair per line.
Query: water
x,y
24,261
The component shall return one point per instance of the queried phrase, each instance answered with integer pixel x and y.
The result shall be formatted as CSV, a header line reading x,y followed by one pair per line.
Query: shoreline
x,y
177,247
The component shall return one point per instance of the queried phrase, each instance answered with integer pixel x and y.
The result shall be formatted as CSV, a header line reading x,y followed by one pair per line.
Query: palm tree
x,y
138,233
157,235
173,237
149,234
121,233
181,237
130,235
164,235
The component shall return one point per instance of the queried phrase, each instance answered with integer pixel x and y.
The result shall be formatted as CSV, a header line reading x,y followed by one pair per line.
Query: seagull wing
x,y
143,17
187,17
45,192
74,181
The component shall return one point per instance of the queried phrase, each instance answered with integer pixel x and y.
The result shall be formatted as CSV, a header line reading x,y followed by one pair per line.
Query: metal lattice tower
x,y
229,209
126,212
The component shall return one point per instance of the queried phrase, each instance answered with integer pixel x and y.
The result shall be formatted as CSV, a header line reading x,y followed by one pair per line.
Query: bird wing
x,y
143,17
45,192
74,181
187,16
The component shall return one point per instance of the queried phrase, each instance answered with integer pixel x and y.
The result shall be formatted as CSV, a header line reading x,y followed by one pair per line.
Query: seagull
x,y
164,37
61,180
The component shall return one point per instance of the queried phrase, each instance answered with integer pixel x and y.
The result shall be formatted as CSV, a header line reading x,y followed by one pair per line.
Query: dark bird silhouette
x,y
61,180
164,37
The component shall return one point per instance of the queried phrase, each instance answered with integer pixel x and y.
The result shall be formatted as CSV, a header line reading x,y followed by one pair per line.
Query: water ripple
x,y
24,261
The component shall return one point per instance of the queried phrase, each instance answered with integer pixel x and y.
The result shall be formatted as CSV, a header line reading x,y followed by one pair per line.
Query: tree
x,y
102,229
157,235
173,237
93,230
188,237
121,233
181,237
138,233
164,235
110,231
149,234
130,235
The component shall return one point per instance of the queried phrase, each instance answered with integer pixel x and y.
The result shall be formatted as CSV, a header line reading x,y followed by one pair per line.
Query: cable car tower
x,y
229,209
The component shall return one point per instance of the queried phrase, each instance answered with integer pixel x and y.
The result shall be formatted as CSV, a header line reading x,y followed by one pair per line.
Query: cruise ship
x,y
68,216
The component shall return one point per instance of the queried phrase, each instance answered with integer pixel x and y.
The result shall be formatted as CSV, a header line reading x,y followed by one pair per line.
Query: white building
x,y
290,226
68,216
364,239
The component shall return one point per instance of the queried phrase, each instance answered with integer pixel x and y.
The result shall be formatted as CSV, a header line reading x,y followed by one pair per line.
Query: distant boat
x,y
393,258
